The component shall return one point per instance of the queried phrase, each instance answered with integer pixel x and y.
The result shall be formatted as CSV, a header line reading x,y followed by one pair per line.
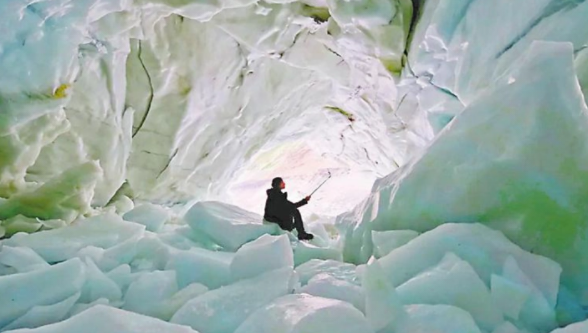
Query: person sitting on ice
x,y
283,212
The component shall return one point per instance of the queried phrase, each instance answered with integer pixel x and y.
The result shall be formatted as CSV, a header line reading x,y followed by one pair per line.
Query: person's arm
x,y
302,202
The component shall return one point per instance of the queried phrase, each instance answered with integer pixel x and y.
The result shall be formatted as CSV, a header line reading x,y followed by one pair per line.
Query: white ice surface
x,y
104,231
438,319
229,226
509,295
574,328
209,268
44,314
22,259
383,307
303,252
386,241
264,254
484,249
223,310
98,285
149,292
505,164
507,327
461,287
305,313
151,216
21,292
102,319
465,271
325,285
337,269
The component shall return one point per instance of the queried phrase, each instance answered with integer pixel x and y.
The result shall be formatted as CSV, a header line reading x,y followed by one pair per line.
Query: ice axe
x,y
322,183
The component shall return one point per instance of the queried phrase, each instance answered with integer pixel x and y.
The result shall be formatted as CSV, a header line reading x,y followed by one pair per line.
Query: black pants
x,y
294,221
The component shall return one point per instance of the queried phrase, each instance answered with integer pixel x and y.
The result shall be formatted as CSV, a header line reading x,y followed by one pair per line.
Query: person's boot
x,y
305,236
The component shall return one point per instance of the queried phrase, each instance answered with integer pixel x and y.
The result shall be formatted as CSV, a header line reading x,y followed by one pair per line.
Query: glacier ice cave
x,y
137,138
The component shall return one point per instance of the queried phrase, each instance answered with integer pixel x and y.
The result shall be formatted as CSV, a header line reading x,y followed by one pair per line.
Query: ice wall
x,y
515,157
459,48
169,100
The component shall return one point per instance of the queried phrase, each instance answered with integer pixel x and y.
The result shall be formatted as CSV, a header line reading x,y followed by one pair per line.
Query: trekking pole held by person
x,y
329,177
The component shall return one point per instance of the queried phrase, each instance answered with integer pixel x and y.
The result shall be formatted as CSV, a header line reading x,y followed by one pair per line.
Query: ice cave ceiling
x,y
176,97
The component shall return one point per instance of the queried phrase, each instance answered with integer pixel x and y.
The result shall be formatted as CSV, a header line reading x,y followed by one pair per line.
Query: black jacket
x,y
277,206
